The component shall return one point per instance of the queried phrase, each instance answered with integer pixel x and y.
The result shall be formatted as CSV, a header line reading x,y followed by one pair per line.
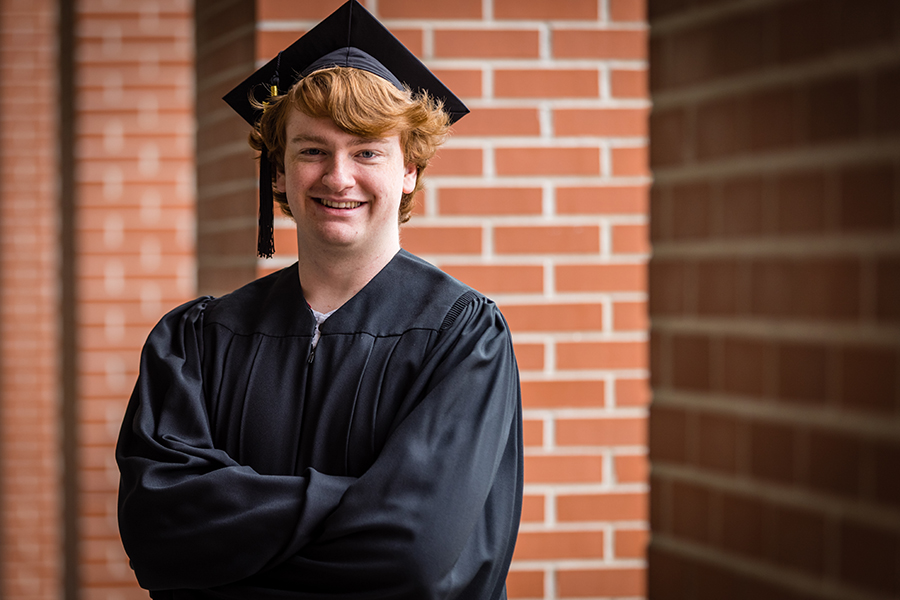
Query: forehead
x,y
301,127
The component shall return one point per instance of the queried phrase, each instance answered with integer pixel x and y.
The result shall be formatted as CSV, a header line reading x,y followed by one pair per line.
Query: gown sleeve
x,y
189,515
437,513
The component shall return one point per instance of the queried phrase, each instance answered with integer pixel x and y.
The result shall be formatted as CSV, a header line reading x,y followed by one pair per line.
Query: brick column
x,y
30,508
226,173
539,201
774,299
135,243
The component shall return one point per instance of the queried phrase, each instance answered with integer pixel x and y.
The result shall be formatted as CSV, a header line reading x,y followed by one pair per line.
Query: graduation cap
x,y
349,37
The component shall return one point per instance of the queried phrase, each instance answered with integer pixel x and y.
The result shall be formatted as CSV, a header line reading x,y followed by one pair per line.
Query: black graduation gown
x,y
386,463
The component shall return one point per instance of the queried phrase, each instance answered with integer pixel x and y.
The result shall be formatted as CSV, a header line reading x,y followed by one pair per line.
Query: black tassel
x,y
265,241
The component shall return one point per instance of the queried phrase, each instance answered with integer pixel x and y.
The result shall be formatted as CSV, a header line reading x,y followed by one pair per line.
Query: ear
x,y
410,177
279,181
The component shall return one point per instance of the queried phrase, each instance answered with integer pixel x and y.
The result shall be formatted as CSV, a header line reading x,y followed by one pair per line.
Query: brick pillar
x,y
539,201
30,509
135,215
775,299
226,173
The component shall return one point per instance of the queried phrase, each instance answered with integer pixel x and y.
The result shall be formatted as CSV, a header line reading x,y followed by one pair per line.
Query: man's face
x,y
344,191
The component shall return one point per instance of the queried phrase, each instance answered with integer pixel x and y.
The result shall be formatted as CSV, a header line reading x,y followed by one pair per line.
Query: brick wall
x,y
226,173
539,200
774,299
135,225
30,521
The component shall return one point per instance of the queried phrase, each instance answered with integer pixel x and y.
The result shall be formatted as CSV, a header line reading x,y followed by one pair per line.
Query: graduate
x,y
350,426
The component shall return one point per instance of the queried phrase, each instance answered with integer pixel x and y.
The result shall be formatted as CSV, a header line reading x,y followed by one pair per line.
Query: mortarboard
x,y
349,37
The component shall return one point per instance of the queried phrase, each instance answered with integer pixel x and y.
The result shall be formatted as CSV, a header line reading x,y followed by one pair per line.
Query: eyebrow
x,y
357,141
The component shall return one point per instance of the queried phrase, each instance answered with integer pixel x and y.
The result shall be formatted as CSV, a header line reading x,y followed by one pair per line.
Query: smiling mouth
x,y
334,204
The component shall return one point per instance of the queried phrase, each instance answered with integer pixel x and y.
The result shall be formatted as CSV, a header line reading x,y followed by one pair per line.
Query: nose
x,y
338,174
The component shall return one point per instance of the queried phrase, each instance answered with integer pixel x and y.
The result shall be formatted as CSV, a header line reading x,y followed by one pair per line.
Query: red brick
x,y
630,239
836,467
742,207
601,355
547,240
413,9
690,362
540,9
867,198
549,161
465,83
690,507
743,519
834,109
532,508
525,584
798,538
628,10
533,432
773,452
563,469
601,507
609,122
887,277
601,582
667,281
456,161
723,128
629,83
601,278
885,457
554,317
499,279
774,115
629,162
717,442
869,378
441,240
802,372
887,98
668,130
543,545
631,468
490,201
272,10
668,434
486,43
602,200
691,205
744,366
802,202
484,121
630,543
601,432
546,83
632,392
717,287
530,357
630,316
561,394
869,557
582,43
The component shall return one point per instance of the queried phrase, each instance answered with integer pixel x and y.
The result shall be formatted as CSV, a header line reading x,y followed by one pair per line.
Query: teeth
x,y
332,204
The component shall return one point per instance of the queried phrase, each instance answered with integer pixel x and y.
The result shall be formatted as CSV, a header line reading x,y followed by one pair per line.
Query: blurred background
x,y
709,363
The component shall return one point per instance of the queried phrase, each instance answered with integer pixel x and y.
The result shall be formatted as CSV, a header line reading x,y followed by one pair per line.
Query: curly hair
x,y
362,104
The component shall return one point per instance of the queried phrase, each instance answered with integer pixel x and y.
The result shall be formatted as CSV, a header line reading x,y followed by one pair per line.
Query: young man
x,y
348,427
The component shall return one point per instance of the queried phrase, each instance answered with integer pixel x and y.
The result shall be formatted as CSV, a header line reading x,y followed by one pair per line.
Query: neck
x,y
331,279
